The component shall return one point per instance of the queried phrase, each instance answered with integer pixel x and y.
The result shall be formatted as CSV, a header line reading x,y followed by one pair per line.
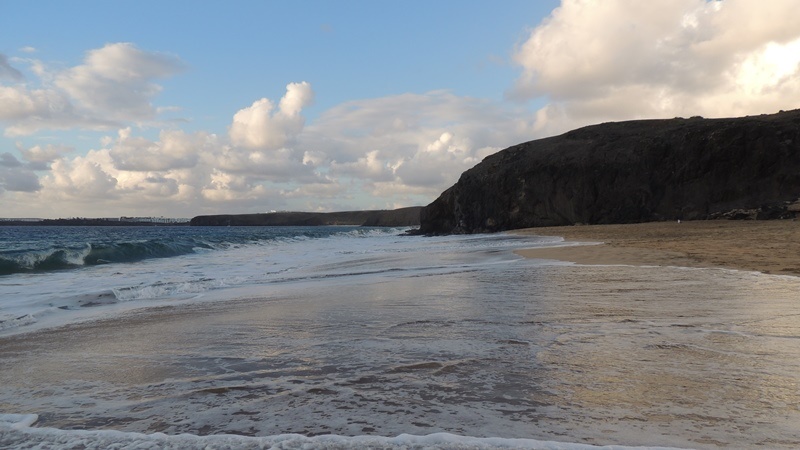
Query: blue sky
x,y
239,51
181,108
348,50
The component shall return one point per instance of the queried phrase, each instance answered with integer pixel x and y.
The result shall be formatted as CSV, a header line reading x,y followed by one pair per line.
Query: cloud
x,y
435,162
90,185
588,62
622,59
235,189
117,81
370,166
34,158
9,160
257,127
114,86
263,140
30,110
371,153
328,190
413,144
175,149
8,72
17,180
82,178
276,165
39,157
17,103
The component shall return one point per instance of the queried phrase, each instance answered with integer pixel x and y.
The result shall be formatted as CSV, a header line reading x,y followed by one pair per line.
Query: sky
x,y
181,108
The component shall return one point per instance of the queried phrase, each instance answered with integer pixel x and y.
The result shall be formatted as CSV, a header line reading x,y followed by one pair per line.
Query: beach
x,y
771,247
370,336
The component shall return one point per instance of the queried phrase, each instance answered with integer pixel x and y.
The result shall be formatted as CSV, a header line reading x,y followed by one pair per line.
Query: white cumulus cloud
x,y
259,127
595,61
174,149
408,148
115,85
118,81
81,178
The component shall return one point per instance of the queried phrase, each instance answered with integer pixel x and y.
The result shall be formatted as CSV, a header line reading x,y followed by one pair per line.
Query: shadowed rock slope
x,y
627,172
403,217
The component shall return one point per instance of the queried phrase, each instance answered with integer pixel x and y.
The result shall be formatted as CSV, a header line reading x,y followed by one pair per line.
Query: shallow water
x,y
388,335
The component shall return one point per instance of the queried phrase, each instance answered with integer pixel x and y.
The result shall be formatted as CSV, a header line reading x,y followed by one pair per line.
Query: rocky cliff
x,y
403,217
625,172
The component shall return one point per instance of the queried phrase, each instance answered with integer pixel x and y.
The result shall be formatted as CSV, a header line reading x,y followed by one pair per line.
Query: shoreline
x,y
771,247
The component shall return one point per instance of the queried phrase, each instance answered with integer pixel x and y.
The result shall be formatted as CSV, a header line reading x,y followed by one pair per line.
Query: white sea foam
x,y
16,431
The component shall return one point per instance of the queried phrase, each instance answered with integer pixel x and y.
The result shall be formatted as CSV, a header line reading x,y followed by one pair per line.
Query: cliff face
x,y
625,172
403,217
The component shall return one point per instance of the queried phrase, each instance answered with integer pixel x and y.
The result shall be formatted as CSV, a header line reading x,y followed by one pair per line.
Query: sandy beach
x,y
764,246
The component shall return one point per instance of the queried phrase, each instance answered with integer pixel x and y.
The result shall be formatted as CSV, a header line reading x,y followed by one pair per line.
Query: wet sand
x,y
762,246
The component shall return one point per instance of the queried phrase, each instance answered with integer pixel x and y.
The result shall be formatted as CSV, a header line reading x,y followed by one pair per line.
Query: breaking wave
x,y
93,254
44,257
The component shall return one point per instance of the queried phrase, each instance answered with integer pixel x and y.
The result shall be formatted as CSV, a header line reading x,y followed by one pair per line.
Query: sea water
x,y
341,337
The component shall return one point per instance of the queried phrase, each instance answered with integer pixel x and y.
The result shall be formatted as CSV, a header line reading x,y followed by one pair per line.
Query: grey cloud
x,y
8,72
9,160
46,154
18,180
419,174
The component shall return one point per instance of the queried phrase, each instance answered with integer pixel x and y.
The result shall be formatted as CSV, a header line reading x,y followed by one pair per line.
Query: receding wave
x,y
18,431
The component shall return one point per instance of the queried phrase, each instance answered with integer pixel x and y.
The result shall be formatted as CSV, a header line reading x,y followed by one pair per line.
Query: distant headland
x,y
402,217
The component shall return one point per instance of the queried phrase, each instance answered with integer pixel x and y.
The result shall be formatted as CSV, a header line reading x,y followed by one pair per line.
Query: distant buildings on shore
x,y
152,219
126,219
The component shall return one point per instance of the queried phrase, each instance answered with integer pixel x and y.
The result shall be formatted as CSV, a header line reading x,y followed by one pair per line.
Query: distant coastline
x,y
95,222
402,217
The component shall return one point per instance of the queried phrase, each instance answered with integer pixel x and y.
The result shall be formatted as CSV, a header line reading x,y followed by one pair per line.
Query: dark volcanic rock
x,y
403,217
625,172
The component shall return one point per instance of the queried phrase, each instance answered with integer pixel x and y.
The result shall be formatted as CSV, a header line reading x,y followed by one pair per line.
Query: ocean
x,y
349,337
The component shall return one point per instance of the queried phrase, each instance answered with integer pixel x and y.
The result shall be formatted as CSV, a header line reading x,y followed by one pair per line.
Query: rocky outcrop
x,y
625,172
403,217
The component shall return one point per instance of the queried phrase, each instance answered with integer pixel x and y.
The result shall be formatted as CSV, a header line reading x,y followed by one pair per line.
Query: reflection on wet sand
x,y
626,355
